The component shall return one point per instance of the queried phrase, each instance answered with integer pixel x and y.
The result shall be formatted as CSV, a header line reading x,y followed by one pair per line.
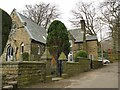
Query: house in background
x,y
25,37
72,45
91,43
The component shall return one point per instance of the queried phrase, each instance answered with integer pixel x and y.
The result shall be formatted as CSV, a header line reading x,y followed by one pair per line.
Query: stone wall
x,y
29,72
9,72
73,68
23,72
97,64
83,65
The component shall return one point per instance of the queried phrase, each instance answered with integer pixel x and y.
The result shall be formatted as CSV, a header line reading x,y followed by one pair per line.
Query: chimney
x,y
82,25
84,34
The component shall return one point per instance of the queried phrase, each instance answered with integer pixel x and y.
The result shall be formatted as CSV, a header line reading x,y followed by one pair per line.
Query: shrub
x,y
80,53
25,56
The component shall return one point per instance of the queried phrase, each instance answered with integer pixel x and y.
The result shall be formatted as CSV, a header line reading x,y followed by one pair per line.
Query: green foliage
x,y
34,49
105,54
58,37
6,27
25,56
80,53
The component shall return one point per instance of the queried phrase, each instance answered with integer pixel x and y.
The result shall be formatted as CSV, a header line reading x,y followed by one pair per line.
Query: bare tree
x,y
88,13
110,13
42,13
110,10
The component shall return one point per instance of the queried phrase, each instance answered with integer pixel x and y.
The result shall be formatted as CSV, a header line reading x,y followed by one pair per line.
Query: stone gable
x,y
20,41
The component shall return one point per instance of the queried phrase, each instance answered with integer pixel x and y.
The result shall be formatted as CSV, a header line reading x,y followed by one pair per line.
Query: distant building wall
x,y
92,49
78,46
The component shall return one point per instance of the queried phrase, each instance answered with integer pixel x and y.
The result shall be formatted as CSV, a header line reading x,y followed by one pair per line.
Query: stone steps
x,y
13,83
10,85
56,79
7,87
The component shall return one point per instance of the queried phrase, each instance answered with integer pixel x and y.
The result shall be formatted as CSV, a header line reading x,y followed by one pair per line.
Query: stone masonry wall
x,y
97,64
73,68
31,72
92,49
83,65
23,72
9,72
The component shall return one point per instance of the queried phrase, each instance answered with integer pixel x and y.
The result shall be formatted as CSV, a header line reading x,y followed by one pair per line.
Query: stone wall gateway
x,y
29,72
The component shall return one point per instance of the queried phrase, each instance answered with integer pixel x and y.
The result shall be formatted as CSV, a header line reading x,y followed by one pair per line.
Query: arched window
x,y
9,54
22,47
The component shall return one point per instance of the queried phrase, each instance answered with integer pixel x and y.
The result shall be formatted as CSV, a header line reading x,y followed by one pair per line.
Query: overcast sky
x,y
65,6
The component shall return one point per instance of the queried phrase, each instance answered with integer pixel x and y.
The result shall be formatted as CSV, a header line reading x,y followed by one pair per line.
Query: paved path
x,y
106,77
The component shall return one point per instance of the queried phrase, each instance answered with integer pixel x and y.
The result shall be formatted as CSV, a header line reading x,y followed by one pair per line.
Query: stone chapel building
x,y
25,37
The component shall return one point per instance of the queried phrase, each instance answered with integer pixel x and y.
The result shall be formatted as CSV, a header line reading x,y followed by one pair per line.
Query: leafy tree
x,y
57,39
25,56
80,53
42,13
6,27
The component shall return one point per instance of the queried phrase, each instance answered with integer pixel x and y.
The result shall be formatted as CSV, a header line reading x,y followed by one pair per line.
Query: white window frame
x,y
38,49
22,46
92,56
70,43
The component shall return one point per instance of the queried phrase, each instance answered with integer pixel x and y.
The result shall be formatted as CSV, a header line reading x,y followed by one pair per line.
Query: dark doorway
x,y
9,55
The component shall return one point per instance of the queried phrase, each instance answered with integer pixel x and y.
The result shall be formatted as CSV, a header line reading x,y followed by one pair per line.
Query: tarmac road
x,y
106,77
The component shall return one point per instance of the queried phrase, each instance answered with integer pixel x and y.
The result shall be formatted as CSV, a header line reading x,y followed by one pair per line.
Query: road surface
x,y
106,77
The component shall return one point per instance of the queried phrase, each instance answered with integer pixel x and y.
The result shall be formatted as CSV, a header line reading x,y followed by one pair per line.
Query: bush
x,y
25,56
80,53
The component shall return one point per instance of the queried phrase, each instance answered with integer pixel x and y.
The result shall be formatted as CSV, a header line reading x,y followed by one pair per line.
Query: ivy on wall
x,y
34,51
25,56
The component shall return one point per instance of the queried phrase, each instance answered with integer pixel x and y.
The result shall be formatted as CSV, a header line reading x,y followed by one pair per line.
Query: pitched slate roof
x,y
78,35
36,32
91,37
